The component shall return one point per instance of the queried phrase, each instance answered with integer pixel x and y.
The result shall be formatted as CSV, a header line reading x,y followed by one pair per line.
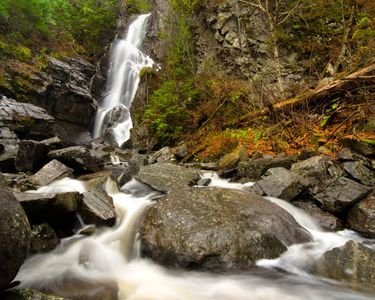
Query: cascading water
x,y
127,61
113,255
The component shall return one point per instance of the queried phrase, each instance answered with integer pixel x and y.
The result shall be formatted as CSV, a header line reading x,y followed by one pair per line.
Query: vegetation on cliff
x,y
197,99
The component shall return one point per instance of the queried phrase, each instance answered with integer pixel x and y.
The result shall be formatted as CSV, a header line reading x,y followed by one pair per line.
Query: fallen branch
x,y
364,77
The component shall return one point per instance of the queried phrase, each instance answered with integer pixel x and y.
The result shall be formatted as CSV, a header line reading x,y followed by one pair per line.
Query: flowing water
x,y
113,254
126,62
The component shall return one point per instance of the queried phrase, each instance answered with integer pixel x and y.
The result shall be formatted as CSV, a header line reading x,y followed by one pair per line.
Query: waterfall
x,y
127,60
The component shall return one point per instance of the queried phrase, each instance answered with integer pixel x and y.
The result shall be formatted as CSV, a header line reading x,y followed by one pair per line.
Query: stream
x,y
114,254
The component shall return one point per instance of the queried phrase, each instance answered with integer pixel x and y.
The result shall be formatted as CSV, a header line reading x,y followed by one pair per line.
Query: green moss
x,y
138,6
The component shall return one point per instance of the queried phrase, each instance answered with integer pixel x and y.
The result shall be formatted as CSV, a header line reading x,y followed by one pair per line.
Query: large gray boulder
x,y
352,262
44,239
165,177
341,194
281,183
15,235
216,228
361,216
359,171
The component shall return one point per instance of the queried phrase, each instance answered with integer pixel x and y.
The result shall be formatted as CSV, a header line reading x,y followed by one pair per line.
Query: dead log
x,y
363,78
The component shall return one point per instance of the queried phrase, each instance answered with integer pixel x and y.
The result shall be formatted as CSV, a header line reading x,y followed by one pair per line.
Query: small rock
x,y
54,170
180,151
43,239
28,294
281,183
164,155
88,230
9,148
254,169
53,143
341,194
97,207
348,155
353,262
204,182
231,160
165,177
358,171
361,216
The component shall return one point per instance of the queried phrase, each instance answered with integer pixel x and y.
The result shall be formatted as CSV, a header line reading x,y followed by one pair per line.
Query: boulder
x,y
8,149
216,228
53,143
318,172
341,194
97,207
49,204
254,169
360,172
281,183
352,262
15,235
72,134
31,156
27,120
347,154
361,216
324,219
79,158
164,155
166,177
52,171
180,151
28,294
132,168
43,239
231,160
71,287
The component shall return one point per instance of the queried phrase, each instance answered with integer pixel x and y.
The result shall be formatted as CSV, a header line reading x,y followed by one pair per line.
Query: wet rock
x,y
352,262
341,194
361,216
97,206
43,239
27,120
31,156
79,158
118,114
231,160
323,218
8,149
15,235
166,177
215,228
132,168
164,155
80,289
281,183
254,169
359,171
318,172
97,180
28,294
204,182
52,171
361,146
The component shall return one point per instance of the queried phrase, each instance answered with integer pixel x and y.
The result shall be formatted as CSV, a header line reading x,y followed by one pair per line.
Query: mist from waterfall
x,y
127,60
